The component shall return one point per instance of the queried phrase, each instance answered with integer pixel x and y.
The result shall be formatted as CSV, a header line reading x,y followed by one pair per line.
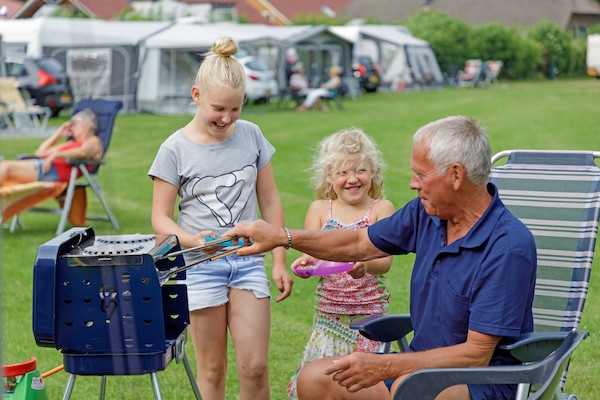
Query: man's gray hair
x,y
87,116
459,140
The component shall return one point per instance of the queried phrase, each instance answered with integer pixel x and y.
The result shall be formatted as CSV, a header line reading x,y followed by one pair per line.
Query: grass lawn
x,y
529,115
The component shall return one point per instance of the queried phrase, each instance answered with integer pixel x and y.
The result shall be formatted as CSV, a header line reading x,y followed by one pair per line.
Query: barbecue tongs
x,y
226,249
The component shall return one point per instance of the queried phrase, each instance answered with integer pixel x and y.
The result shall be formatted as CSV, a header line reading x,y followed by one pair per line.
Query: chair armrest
x,y
26,156
428,383
384,328
533,346
84,161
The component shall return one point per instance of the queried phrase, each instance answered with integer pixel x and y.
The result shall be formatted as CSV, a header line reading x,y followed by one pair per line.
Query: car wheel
x,y
55,111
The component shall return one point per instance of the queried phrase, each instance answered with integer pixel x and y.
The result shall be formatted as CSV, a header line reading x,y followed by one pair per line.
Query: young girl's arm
x,y
271,211
379,266
163,203
314,219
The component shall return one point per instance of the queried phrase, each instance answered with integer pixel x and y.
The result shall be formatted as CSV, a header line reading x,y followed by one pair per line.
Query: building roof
x,y
105,9
505,12
12,6
259,11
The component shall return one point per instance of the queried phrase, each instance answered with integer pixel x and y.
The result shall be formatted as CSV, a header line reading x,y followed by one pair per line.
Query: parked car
x,y
367,73
261,84
44,79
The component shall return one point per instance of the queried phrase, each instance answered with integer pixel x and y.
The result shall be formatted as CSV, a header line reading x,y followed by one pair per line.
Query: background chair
x,y
557,195
17,113
106,112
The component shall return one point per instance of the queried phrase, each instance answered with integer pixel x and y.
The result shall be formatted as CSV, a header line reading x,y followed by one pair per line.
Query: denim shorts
x,y
50,176
209,282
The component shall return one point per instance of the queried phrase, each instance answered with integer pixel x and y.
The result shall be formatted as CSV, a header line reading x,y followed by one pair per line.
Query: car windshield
x,y
50,65
366,61
257,65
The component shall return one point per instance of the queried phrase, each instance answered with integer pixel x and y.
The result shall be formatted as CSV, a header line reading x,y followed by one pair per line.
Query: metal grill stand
x,y
100,302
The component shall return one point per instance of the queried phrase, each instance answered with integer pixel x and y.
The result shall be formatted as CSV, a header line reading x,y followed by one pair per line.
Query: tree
x,y
449,37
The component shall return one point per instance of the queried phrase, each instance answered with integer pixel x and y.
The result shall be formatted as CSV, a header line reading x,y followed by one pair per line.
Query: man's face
x,y
434,190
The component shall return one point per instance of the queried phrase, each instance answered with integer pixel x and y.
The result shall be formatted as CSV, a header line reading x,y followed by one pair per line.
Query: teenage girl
x,y
219,166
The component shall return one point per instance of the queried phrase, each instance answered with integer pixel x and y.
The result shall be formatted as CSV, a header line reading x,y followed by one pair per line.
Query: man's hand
x,y
264,236
358,370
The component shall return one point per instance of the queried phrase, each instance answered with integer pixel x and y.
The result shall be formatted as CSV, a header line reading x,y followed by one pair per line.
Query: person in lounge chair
x,y
50,159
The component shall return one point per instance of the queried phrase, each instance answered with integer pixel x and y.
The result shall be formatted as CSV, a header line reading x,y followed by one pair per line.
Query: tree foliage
x,y
450,38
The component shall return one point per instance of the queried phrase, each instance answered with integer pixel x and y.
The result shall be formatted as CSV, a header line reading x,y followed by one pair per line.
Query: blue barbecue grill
x,y
105,303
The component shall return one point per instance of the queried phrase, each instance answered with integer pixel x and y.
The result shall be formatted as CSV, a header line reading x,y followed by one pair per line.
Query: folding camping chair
x,y
557,195
17,113
106,112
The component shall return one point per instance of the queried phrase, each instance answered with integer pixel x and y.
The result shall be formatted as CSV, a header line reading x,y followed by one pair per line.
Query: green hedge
x,y
542,50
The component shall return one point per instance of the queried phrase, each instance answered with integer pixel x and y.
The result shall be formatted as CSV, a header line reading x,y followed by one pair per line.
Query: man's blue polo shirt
x,y
482,282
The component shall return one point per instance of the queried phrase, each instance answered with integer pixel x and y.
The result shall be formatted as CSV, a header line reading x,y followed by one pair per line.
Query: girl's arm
x,y
314,219
382,209
163,203
271,210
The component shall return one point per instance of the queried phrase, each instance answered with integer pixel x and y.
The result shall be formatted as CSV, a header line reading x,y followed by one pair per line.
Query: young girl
x,y
219,166
349,188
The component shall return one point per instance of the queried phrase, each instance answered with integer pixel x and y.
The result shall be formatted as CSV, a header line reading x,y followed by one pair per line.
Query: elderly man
x,y
473,278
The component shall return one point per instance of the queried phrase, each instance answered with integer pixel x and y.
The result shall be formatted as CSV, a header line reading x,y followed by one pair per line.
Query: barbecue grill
x,y
107,304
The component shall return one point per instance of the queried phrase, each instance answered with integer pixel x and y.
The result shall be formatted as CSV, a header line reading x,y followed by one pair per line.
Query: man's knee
x,y
312,379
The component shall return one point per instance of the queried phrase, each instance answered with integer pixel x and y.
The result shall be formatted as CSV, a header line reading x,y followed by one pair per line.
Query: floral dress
x,y
339,300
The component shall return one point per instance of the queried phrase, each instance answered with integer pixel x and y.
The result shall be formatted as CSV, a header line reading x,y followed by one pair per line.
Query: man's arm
x,y
361,370
339,245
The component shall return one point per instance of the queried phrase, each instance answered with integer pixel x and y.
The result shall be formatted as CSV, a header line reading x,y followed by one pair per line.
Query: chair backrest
x,y
106,112
557,195
10,94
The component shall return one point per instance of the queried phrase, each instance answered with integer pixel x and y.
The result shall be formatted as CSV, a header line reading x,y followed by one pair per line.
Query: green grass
x,y
540,115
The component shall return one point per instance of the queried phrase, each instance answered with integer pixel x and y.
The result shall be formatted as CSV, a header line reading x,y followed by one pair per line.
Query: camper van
x,y
593,55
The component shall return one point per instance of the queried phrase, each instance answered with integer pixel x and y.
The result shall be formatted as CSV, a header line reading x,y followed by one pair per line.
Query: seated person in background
x,y
472,282
328,89
49,163
298,83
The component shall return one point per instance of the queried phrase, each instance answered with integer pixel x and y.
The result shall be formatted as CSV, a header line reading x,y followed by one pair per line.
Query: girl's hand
x,y
358,270
284,282
199,240
301,262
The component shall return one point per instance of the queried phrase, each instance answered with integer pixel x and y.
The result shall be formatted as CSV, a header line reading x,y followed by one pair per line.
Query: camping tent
x,y
405,61
101,57
171,57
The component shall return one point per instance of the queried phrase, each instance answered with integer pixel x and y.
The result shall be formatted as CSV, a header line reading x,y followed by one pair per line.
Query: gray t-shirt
x,y
216,182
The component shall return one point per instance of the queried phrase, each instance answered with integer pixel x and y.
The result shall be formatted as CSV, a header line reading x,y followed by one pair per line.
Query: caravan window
x,y
90,71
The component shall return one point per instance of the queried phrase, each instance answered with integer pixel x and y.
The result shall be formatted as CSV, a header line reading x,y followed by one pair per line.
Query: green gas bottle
x,y
23,381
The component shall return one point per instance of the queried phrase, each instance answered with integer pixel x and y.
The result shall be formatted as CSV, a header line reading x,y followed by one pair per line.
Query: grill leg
x,y
69,388
155,386
190,374
102,387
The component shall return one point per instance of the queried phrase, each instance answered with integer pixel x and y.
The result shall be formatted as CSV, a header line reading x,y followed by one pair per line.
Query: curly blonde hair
x,y
220,68
338,150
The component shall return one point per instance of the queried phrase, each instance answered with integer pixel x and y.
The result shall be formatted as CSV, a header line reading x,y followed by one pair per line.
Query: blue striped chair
x,y
557,195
